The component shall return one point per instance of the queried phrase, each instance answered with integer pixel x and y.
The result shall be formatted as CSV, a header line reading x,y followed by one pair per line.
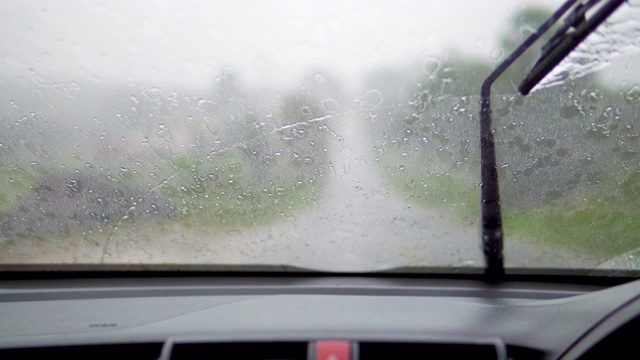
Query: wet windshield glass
x,y
567,153
333,135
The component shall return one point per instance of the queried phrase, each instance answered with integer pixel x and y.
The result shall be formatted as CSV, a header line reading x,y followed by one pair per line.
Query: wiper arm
x,y
575,29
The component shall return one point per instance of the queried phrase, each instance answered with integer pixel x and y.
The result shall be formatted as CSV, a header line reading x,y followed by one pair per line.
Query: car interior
x,y
57,304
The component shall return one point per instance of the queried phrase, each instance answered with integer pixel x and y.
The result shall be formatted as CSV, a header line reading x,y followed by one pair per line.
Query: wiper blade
x,y
489,190
575,29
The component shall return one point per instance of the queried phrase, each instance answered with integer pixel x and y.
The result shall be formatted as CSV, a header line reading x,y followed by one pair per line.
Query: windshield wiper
x,y
576,28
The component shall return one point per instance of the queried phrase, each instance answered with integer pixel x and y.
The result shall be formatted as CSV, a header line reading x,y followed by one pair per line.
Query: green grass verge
x,y
604,227
445,191
230,192
223,193
15,183
599,225
452,192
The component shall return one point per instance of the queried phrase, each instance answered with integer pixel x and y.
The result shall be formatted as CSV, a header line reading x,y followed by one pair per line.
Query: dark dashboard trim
x,y
603,328
62,288
603,278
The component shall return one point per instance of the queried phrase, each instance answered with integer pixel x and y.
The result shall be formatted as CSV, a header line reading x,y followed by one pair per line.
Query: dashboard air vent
x,y
411,351
240,351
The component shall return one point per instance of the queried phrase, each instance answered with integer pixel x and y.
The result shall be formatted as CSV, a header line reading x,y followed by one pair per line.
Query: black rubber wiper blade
x,y
574,30
489,190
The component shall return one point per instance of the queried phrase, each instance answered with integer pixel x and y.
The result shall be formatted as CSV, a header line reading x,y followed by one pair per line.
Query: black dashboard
x,y
315,317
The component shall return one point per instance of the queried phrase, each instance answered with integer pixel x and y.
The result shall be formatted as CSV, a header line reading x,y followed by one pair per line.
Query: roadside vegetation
x,y
567,155
234,157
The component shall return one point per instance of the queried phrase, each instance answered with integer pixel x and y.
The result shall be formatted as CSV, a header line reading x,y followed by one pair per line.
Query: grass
x,y
223,193
603,227
16,183
253,209
453,192
231,192
598,224
442,190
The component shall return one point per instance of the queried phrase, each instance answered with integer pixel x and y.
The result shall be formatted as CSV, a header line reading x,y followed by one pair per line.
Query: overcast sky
x,y
188,43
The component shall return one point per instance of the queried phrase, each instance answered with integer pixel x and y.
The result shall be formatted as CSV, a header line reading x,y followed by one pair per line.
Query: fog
x,y
268,42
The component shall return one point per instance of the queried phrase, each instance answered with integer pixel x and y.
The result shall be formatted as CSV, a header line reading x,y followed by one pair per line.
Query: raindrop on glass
x,y
496,53
430,65
633,95
330,105
373,97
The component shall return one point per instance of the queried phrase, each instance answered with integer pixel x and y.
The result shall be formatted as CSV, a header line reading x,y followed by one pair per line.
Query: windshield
x,y
326,135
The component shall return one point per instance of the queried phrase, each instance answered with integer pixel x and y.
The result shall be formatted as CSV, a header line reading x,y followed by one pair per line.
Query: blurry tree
x,y
455,76
323,87
522,24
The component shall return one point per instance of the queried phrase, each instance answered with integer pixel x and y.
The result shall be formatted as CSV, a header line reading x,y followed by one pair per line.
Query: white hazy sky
x,y
190,42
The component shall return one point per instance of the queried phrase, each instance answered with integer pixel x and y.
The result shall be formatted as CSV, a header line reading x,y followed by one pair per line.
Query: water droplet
x,y
330,105
628,154
569,112
496,53
207,106
305,110
554,195
319,78
373,97
125,173
197,188
73,187
430,65
548,143
346,151
563,152
269,159
301,133
633,95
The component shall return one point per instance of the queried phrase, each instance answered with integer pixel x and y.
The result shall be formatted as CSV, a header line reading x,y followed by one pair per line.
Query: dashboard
x,y
319,316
